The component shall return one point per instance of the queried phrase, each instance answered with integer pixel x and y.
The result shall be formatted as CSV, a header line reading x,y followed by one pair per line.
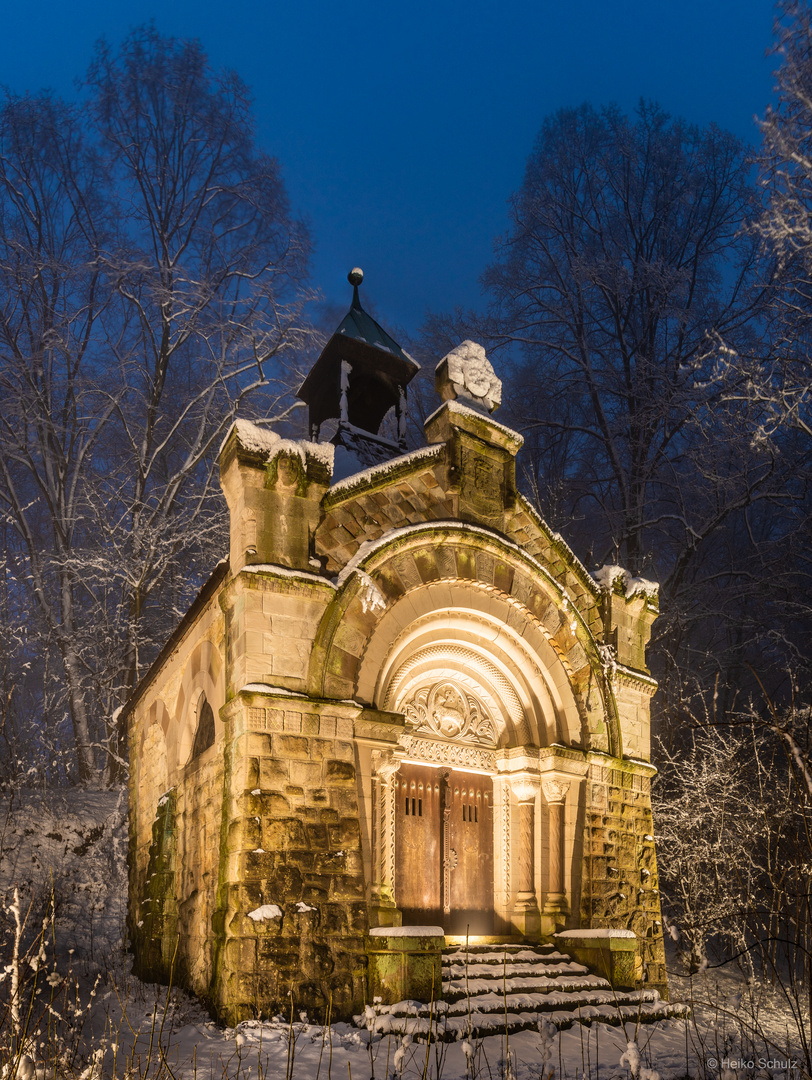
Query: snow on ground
x,y
306,1048
137,1030
76,842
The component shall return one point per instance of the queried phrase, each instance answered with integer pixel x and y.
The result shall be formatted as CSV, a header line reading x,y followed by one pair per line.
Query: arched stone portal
x,y
493,683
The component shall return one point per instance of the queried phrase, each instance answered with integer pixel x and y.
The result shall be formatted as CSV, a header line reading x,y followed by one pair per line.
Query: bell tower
x,y
361,374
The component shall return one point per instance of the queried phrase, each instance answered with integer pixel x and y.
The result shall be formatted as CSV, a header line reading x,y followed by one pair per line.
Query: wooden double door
x,y
444,848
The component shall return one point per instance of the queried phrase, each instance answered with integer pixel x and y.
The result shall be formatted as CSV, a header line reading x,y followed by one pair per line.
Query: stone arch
x,y
472,667
203,676
468,600
158,715
469,644
204,728
151,758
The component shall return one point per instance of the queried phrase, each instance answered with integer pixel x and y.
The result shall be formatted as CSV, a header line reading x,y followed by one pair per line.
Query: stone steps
x,y
488,989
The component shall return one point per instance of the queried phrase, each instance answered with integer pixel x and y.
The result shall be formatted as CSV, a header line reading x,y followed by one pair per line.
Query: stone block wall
x,y
175,807
199,810
633,697
148,782
155,932
174,903
628,621
273,488
530,532
411,493
620,883
291,855
271,623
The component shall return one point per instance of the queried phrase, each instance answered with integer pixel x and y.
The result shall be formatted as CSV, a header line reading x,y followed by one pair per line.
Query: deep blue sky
x,y
402,129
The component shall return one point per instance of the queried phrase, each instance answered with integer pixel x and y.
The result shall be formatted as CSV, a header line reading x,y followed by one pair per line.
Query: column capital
x,y
384,764
524,785
555,791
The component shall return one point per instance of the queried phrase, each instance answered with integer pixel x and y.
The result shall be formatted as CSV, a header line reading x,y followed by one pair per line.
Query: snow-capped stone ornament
x,y
467,373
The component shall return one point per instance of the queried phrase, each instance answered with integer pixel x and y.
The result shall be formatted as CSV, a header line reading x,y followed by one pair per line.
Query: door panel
x,y
470,839
444,848
418,829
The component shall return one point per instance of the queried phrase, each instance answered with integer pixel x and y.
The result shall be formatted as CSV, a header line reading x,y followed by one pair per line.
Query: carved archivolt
x,y
464,659
448,711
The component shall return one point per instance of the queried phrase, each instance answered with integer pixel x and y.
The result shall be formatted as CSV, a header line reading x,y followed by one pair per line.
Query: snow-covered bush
x,y
42,1009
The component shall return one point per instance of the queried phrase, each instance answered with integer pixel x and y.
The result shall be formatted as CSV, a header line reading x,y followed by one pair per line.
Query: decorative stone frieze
x,y
453,754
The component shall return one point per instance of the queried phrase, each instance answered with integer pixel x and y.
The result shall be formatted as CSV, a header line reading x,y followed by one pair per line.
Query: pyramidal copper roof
x,y
361,326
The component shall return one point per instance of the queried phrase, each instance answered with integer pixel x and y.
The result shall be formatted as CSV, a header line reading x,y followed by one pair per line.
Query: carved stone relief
x,y
482,481
555,791
453,754
464,659
448,711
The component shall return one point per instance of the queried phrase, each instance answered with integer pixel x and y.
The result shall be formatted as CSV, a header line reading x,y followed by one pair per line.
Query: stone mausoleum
x,y
400,699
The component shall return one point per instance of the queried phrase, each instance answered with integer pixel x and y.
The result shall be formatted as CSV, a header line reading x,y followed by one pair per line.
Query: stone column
x,y
445,802
503,879
555,905
383,910
526,914
527,840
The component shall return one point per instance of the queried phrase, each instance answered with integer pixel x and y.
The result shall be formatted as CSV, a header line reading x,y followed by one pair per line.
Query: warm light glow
x,y
446,766
482,939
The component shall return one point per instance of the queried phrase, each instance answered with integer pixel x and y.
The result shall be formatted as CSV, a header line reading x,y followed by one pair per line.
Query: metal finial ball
x,y
355,276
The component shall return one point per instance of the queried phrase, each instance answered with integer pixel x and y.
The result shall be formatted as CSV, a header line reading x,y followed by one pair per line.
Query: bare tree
x,y
734,825
713,833
627,263
208,273
774,383
624,257
51,299
781,383
150,287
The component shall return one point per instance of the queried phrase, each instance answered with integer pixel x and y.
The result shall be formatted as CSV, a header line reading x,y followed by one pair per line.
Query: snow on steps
x,y
489,987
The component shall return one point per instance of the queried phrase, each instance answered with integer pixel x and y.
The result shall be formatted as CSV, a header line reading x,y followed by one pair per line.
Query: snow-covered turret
x,y
273,487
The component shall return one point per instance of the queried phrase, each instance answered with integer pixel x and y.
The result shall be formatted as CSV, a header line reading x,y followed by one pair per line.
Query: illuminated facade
x,y
401,699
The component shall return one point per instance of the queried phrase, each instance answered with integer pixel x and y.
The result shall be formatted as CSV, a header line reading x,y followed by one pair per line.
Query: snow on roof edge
x,y
284,571
384,467
458,407
262,440
609,573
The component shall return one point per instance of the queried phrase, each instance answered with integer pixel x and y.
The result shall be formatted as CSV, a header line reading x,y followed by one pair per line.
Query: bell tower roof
x,y
361,374
360,326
